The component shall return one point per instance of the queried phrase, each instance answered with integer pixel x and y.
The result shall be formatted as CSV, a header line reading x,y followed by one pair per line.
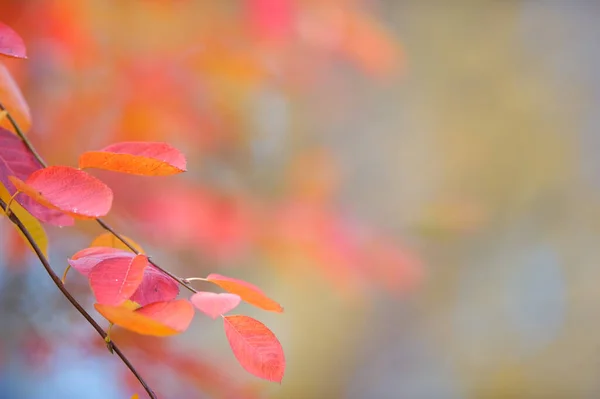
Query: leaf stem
x,y
17,222
187,280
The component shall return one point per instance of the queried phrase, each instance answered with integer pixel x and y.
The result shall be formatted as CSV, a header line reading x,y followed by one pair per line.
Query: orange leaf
x,y
109,240
176,316
11,44
115,280
248,292
69,190
137,158
213,304
13,101
255,346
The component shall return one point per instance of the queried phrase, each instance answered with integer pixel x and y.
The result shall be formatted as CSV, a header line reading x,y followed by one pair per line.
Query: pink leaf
x,y
213,304
16,160
156,286
69,190
85,260
11,44
115,280
256,348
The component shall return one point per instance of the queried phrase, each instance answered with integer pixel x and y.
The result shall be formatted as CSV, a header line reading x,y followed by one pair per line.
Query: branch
x,y
101,222
17,222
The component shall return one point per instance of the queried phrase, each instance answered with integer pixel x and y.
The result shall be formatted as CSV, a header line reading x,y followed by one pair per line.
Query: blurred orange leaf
x,y
138,158
248,292
69,190
256,347
11,44
14,102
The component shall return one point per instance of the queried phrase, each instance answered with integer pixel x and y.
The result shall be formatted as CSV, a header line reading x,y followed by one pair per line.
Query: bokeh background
x,y
417,182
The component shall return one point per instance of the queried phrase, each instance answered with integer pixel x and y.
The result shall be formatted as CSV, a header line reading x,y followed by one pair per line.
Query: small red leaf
x,y
138,158
248,292
85,260
16,160
115,280
213,304
156,286
11,44
256,347
69,190
177,314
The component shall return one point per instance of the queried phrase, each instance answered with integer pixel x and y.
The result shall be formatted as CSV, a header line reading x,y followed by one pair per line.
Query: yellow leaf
x,y
31,223
109,240
135,396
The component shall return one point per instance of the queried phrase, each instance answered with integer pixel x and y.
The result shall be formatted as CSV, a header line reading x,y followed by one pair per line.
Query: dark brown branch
x,y
14,219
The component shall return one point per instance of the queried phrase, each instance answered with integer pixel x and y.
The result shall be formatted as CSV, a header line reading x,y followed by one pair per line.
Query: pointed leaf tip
x,y
138,158
256,347
214,305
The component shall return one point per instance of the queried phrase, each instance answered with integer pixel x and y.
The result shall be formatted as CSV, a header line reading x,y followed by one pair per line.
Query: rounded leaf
x,y
255,346
14,102
137,158
213,304
115,280
69,190
248,292
156,286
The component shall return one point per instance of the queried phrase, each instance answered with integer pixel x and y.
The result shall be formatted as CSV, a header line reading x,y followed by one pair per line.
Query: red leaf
x,y
213,304
115,280
11,44
156,286
248,292
16,160
256,347
85,260
69,190
177,314
138,158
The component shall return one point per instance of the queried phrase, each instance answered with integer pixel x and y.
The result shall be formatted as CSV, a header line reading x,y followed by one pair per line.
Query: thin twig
x,y
101,222
13,218
23,138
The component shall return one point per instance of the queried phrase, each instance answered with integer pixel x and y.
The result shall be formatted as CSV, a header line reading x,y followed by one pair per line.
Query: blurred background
x,y
416,182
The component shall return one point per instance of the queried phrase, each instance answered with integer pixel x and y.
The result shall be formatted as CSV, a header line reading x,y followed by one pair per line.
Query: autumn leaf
x,y
86,259
69,190
159,319
115,280
16,160
248,292
32,225
109,240
14,102
11,44
138,158
255,346
213,304
156,286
